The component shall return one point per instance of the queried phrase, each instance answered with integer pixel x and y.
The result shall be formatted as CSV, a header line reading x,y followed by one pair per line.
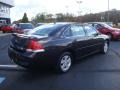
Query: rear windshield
x,y
26,26
46,30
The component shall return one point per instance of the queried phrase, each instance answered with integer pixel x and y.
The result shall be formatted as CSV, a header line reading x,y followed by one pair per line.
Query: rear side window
x,y
90,30
46,30
77,30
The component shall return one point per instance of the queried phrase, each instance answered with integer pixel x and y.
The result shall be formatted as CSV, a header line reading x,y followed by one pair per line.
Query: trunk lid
x,y
20,42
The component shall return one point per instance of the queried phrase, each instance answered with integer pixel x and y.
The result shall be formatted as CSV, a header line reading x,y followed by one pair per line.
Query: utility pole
x,y
79,12
108,17
67,9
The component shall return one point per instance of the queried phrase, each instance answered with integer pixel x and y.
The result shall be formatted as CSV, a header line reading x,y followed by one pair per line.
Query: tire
x,y
105,47
64,62
110,36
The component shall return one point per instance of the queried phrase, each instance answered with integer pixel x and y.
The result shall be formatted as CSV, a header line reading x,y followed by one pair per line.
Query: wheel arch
x,y
72,52
108,41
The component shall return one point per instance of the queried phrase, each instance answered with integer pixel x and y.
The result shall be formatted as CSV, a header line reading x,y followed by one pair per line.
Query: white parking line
x,y
1,35
8,66
12,67
2,79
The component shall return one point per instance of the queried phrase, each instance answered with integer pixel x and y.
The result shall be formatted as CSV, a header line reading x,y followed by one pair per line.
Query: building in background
x,y
5,6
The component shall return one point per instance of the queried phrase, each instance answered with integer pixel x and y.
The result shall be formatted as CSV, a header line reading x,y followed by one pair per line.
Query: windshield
x,y
45,30
106,25
26,26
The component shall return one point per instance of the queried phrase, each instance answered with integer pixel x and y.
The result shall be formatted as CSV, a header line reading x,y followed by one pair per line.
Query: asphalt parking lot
x,y
96,72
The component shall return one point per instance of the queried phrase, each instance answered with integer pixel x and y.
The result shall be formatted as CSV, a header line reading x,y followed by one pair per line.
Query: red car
x,y
113,33
22,27
7,28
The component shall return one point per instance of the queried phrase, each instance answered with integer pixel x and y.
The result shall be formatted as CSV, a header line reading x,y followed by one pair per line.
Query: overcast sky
x,y
32,7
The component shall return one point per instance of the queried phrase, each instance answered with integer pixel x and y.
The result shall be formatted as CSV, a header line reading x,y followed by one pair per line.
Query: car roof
x,y
97,22
24,23
69,23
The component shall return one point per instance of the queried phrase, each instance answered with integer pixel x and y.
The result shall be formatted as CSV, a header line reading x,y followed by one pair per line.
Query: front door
x,y
94,40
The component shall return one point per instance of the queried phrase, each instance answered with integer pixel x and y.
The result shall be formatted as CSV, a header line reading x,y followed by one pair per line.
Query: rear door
x,y
80,40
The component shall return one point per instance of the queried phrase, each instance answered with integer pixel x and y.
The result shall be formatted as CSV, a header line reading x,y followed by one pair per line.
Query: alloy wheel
x,y
105,47
65,63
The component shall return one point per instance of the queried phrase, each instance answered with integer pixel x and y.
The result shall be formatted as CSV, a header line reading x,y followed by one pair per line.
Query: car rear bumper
x,y
30,59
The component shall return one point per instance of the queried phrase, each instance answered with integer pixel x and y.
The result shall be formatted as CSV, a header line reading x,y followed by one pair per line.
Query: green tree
x,y
40,17
48,18
60,17
25,18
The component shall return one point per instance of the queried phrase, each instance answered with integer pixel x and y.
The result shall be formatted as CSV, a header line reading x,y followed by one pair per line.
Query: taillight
x,y
35,46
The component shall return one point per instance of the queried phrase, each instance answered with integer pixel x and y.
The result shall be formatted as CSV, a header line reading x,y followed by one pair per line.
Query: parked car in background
x,y
2,22
113,33
22,27
39,24
7,28
56,45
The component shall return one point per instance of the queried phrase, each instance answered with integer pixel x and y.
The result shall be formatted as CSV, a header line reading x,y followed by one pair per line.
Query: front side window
x,y
90,31
77,30
106,26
